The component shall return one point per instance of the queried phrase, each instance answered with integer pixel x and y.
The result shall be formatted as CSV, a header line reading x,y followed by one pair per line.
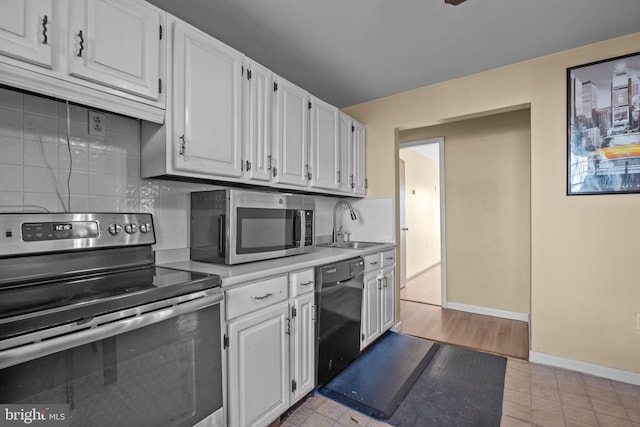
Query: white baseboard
x,y
584,367
397,327
424,270
524,317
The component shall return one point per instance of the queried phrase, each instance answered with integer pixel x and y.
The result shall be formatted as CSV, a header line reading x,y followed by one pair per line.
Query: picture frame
x,y
603,126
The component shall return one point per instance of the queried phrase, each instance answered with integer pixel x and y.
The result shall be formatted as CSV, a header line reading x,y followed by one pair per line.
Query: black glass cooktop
x,y
30,307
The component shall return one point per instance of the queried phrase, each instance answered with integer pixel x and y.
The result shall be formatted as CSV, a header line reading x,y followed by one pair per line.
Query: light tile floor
x,y
534,395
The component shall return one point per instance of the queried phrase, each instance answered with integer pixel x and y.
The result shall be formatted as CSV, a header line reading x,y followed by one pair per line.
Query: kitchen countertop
x,y
243,273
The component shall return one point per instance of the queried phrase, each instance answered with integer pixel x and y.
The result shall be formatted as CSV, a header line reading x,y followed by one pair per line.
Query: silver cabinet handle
x,y
306,283
405,228
265,296
374,263
182,145
389,258
45,21
81,36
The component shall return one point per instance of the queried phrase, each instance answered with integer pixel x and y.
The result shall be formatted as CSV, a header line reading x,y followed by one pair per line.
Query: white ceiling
x,y
426,148
351,51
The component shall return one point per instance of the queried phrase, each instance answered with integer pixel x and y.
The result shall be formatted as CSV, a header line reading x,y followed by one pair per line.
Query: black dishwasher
x,y
339,299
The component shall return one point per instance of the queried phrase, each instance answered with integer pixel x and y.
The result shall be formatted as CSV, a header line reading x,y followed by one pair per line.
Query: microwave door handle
x,y
301,223
221,234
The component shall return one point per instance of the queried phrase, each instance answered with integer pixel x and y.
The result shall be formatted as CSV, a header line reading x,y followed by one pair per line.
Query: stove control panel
x,y
46,232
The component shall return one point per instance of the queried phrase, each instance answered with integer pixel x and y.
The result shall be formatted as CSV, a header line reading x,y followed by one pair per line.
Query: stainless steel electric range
x,y
88,321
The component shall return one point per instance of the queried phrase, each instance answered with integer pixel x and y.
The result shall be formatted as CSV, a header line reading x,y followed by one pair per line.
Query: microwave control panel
x,y
308,229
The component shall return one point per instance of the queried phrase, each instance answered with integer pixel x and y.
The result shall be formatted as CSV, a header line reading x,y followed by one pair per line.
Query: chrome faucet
x,y
337,233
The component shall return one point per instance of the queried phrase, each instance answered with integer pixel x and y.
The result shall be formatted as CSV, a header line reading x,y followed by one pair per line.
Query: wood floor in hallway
x,y
476,331
425,287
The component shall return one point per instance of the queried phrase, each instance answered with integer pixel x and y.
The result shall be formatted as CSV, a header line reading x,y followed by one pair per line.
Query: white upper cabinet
x,y
25,30
257,121
325,145
206,110
345,136
116,43
291,134
359,178
106,54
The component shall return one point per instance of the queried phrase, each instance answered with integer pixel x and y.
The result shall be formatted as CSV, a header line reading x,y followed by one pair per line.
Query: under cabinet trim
x,y
50,86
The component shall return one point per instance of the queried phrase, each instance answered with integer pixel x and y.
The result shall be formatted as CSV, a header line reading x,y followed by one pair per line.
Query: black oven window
x,y
165,374
265,230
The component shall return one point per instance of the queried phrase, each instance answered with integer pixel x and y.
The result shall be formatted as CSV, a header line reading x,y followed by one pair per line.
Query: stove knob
x,y
145,228
115,229
130,228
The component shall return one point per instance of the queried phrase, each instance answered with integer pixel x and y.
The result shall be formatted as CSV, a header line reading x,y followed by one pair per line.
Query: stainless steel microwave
x,y
234,226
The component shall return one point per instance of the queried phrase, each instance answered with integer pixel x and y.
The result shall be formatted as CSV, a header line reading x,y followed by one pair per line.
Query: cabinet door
x,y
387,299
258,363
206,109
346,153
116,43
291,133
371,308
25,30
303,346
257,108
325,145
359,180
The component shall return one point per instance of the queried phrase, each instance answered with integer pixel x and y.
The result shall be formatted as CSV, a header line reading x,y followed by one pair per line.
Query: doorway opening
x,y
421,173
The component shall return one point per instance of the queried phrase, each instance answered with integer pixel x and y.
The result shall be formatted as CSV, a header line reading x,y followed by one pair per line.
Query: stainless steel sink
x,y
351,245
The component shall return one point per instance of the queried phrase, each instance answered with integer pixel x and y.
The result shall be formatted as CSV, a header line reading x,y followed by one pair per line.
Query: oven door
x,y
156,365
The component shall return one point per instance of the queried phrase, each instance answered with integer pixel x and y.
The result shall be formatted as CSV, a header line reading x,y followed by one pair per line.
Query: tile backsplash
x,y
105,170
105,173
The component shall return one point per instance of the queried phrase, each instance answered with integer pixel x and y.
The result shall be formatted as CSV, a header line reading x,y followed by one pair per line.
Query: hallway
x,y
424,288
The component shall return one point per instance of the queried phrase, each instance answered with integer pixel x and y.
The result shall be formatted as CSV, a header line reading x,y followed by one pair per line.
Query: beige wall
x,y
422,201
486,166
584,256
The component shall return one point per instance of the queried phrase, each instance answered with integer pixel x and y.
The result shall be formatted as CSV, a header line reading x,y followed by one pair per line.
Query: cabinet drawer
x,y
388,258
302,282
371,262
248,298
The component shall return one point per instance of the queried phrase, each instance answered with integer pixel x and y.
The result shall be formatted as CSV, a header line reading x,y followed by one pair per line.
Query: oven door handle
x,y
39,344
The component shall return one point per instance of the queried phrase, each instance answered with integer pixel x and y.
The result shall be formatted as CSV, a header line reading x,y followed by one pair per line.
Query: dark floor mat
x,y
379,379
458,388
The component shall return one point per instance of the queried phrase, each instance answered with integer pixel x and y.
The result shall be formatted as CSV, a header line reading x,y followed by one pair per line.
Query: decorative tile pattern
x,y
105,170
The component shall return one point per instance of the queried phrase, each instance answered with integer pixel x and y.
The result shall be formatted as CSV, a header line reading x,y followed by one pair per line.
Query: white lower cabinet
x,y
270,344
302,346
370,308
378,296
386,298
258,360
